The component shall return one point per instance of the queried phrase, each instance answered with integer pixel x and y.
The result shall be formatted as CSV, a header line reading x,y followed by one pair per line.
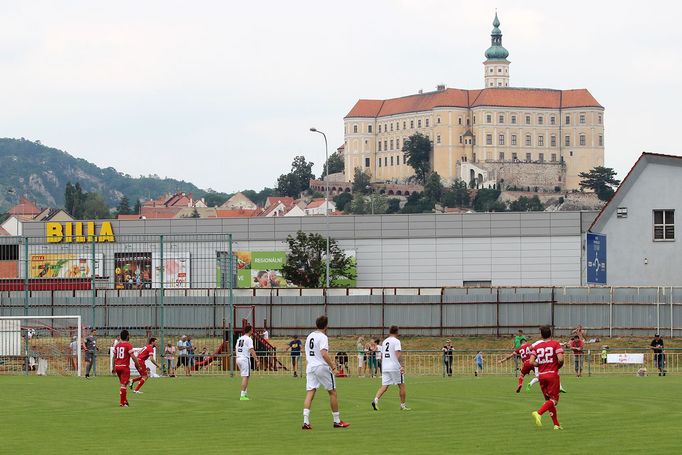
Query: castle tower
x,y
496,66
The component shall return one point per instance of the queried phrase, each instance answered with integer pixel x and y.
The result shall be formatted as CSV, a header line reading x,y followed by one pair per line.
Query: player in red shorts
x,y
548,355
523,351
144,355
123,352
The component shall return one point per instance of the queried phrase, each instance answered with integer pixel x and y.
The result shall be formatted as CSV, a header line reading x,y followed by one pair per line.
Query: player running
x,y
320,373
145,354
392,371
123,352
244,350
548,355
522,351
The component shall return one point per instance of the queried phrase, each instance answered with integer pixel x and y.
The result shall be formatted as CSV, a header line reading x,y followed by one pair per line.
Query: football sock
x,y
139,378
552,414
546,406
534,381
402,405
520,380
122,393
306,416
337,417
139,386
243,393
376,399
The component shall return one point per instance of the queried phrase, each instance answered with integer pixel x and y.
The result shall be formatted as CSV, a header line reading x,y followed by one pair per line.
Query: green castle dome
x,y
496,51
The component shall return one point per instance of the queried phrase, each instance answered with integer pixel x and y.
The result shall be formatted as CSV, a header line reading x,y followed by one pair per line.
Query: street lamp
x,y
371,196
326,196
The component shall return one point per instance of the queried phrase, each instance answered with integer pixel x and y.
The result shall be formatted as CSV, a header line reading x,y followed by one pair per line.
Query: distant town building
x,y
26,211
239,202
496,135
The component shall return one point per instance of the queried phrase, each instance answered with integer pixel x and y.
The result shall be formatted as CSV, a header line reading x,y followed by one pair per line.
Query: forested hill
x,y
41,173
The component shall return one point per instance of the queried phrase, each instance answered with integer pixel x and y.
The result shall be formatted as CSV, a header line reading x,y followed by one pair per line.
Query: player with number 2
x,y
548,355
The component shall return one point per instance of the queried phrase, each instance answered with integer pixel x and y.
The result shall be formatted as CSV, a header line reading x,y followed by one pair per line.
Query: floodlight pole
x,y
326,198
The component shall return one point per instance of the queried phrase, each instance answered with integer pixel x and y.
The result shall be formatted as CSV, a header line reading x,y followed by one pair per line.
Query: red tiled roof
x,y
315,203
286,200
25,207
244,213
128,217
506,97
3,231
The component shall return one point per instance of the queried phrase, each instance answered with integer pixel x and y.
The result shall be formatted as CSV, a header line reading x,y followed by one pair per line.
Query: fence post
x,y
26,298
230,302
672,332
162,321
611,312
94,300
589,363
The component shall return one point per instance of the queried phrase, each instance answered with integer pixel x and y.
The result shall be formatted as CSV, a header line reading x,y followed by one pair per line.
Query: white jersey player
x,y
243,351
392,369
320,373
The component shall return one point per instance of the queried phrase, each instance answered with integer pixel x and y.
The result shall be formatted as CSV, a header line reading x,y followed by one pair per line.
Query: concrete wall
x,y
545,176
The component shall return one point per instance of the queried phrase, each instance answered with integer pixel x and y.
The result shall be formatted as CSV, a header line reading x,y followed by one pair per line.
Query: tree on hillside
x,y
342,201
261,196
74,199
601,180
335,164
433,188
418,203
138,207
95,208
486,201
298,180
393,205
361,181
216,199
306,262
124,206
527,204
457,195
417,150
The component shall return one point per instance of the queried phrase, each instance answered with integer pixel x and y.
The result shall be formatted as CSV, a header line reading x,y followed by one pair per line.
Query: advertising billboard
x,y
595,255
133,270
64,265
176,273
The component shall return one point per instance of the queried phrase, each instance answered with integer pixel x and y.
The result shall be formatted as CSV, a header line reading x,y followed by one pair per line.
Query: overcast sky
x,y
223,93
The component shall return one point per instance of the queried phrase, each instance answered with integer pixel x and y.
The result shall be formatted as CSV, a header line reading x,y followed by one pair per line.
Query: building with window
x,y
640,223
480,127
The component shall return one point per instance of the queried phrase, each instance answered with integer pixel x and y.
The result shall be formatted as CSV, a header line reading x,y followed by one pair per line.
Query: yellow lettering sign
x,y
76,232
54,232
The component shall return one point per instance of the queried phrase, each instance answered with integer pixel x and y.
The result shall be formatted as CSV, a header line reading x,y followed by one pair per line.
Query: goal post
x,y
41,345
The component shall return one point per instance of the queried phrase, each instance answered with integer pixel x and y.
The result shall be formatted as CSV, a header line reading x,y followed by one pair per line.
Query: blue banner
x,y
595,255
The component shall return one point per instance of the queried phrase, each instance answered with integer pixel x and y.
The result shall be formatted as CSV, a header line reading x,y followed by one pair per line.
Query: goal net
x,y
41,345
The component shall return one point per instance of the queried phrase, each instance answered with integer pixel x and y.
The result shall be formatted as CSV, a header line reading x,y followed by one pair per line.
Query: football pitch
x,y
203,415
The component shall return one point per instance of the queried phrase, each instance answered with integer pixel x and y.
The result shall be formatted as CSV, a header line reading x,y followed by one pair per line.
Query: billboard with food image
x,y
65,265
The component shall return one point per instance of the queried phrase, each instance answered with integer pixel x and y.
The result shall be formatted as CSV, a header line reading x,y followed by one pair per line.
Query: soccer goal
x,y
41,345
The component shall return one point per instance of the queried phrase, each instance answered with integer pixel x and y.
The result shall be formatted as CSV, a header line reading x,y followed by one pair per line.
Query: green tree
x,y
433,189
361,181
486,201
342,200
417,150
69,198
457,195
298,180
124,206
359,205
335,164
261,196
138,207
306,261
216,199
417,203
527,204
94,207
601,180
393,205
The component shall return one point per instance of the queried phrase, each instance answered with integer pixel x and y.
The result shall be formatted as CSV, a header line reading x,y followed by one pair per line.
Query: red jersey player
x,y
123,352
522,351
548,355
142,356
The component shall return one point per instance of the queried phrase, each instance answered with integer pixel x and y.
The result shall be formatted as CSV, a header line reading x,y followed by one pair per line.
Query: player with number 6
x,y
244,351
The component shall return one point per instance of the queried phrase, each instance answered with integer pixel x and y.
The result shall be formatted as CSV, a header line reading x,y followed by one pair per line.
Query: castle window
x,y
397,143
582,118
570,153
404,123
438,120
513,119
488,118
438,139
541,141
552,141
568,120
529,141
460,139
369,128
582,139
488,139
460,121
391,145
419,123
427,123
541,120
500,119
552,120
491,84
515,157
379,162
527,156
379,145
412,124
513,139
366,162
385,145
355,128
501,156
391,161
397,160
499,70
599,119
499,84
541,157
567,141
385,161
601,140
553,157
391,126
491,70
500,139
527,119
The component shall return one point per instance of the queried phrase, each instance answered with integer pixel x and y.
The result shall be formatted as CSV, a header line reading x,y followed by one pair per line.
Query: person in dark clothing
x,y
90,346
447,357
659,355
295,346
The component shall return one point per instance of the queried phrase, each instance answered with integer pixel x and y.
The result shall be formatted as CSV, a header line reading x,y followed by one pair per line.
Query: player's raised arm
x,y
508,357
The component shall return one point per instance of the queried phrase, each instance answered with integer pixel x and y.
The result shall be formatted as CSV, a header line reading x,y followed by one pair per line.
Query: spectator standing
x,y
295,347
604,354
116,341
579,331
447,356
169,357
519,339
361,356
378,355
190,352
372,349
577,346
73,351
478,359
266,334
659,354
183,358
91,349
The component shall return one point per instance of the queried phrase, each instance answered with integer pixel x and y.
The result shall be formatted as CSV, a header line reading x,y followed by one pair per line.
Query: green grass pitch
x,y
55,415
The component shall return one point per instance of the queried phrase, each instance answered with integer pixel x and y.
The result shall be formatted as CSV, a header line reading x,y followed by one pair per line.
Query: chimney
x,y
420,91
440,87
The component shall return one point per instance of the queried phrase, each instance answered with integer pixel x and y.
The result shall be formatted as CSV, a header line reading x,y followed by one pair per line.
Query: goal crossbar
x,y
78,324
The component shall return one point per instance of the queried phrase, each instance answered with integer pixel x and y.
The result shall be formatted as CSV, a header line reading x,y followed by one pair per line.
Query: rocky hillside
x,y
41,173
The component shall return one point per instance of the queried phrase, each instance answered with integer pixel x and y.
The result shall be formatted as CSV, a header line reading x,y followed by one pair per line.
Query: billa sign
x,y
79,232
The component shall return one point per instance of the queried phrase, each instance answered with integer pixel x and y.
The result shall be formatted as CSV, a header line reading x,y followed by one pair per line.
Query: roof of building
x,y
496,51
493,97
243,213
286,200
238,201
3,232
129,217
317,203
25,207
629,180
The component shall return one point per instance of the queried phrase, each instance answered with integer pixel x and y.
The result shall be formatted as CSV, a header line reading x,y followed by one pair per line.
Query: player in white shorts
x,y
320,373
392,369
243,350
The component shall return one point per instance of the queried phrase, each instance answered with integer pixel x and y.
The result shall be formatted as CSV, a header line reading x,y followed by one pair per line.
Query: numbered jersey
x,y
389,360
314,345
524,351
243,346
122,353
145,353
545,352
